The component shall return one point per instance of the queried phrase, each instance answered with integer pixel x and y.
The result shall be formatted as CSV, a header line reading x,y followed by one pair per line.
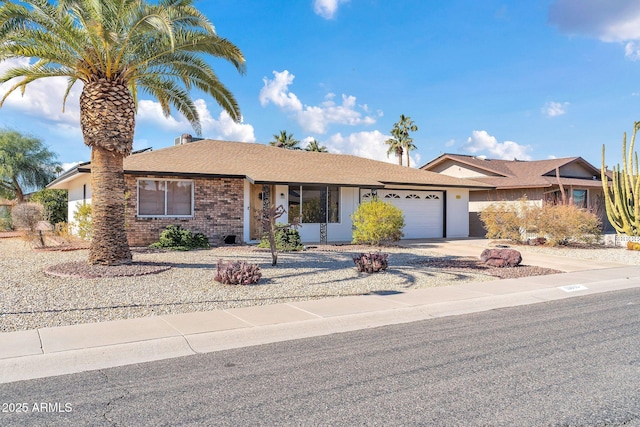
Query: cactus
x,y
622,198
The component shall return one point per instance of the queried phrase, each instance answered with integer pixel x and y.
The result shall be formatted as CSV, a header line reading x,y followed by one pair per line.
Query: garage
x,y
423,211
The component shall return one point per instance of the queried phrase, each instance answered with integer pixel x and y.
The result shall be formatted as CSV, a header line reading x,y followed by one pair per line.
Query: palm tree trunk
x,y
399,155
408,161
109,245
107,117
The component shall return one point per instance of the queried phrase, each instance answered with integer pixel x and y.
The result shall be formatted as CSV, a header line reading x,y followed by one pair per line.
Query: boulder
x,y
501,257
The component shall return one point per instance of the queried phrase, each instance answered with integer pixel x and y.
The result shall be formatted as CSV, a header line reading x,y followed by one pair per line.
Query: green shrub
x,y
287,239
54,202
177,238
376,222
237,273
6,224
82,221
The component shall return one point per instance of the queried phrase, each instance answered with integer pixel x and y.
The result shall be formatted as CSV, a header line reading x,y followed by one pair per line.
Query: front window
x,y
578,198
165,198
314,204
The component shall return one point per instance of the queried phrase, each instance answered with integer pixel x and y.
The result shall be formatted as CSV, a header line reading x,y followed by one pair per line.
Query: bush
x,y
558,224
377,222
27,216
562,224
287,239
82,221
237,273
6,224
501,222
54,202
371,262
633,246
177,238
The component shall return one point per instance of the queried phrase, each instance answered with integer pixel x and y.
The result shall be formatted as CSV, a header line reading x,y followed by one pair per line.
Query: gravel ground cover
x,y
31,299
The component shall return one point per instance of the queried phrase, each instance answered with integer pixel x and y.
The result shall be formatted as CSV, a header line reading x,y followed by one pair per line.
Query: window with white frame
x,y
165,197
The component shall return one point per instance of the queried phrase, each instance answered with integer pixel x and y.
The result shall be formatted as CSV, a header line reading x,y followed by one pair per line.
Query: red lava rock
x,y
501,257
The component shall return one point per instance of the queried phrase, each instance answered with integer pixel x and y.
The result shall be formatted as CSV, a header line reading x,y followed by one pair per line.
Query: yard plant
x,y
180,239
377,222
116,49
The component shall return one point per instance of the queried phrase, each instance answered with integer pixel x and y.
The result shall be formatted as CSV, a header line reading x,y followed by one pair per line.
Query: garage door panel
x,y
423,211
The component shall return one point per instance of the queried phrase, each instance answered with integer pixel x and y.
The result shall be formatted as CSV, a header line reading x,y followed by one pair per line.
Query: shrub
x,y
377,222
82,221
27,216
287,239
6,223
177,238
562,224
633,246
371,262
237,273
54,202
501,222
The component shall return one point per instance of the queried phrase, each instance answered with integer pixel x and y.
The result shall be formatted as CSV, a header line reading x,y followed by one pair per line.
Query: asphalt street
x,y
571,362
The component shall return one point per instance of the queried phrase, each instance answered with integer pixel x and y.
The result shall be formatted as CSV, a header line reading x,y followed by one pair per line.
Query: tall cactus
x,y
622,197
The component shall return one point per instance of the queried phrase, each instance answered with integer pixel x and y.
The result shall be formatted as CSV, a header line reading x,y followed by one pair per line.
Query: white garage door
x,y
423,211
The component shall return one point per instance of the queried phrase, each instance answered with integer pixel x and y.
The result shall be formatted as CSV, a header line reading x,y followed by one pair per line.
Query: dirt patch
x,y
473,265
86,271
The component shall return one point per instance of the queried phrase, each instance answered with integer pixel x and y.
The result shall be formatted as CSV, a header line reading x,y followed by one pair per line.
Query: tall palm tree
x,y
395,145
116,48
314,145
402,129
285,140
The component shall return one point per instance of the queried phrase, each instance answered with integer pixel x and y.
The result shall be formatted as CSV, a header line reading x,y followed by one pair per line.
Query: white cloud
x,y
42,98
67,166
277,92
327,8
370,145
481,142
632,50
450,143
313,118
554,109
150,112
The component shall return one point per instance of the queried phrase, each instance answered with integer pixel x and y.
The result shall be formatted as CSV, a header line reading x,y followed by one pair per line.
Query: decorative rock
x,y
501,257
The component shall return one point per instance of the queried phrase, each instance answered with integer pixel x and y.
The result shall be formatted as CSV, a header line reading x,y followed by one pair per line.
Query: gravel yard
x,y
30,299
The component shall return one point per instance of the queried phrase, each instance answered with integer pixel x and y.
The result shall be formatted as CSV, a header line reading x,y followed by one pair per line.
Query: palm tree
x,y
115,48
314,145
395,145
285,140
25,164
400,132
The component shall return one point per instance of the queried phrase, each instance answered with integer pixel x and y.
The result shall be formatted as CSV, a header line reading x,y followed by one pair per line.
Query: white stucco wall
x,y
79,193
457,213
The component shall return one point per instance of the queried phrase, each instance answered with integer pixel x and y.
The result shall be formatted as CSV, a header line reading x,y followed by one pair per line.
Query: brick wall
x,y
218,211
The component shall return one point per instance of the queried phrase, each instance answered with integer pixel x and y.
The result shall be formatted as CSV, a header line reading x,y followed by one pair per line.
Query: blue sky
x,y
506,79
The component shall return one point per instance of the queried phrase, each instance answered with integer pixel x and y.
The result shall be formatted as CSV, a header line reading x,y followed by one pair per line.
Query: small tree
x,y
272,228
376,222
501,222
27,216
54,202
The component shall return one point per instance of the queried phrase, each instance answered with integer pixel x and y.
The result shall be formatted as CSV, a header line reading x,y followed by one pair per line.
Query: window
x,y
432,197
391,196
578,198
314,204
412,196
165,198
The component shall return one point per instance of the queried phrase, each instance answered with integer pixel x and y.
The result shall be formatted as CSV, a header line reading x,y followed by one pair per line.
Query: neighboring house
x,y
219,188
540,181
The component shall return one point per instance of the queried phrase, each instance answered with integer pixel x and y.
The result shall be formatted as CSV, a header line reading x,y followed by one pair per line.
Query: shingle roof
x,y
266,164
522,174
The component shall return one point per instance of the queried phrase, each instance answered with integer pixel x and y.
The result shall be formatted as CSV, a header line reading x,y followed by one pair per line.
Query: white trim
x,y
191,181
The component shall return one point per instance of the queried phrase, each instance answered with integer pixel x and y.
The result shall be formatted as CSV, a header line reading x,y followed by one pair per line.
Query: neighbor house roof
x,y
508,174
271,165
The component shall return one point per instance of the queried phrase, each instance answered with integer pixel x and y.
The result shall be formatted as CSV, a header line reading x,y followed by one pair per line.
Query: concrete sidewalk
x,y
69,349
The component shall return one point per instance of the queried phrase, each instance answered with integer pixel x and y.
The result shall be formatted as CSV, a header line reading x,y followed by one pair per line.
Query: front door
x,y
255,207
